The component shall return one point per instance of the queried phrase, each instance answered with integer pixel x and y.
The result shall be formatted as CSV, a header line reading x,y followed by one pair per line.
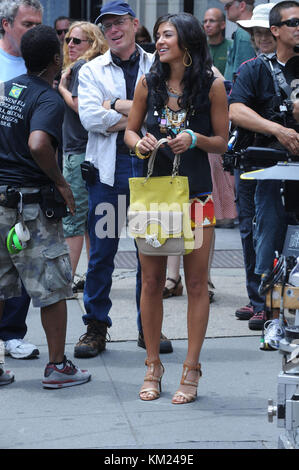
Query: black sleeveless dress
x,y
194,162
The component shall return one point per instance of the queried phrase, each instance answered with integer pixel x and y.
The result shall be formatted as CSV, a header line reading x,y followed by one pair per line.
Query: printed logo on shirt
x,y
16,91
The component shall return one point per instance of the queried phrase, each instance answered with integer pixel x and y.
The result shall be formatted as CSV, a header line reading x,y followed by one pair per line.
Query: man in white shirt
x,y
106,89
16,17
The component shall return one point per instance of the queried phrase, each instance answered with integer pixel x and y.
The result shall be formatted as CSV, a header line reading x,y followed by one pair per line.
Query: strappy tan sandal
x,y
152,393
187,397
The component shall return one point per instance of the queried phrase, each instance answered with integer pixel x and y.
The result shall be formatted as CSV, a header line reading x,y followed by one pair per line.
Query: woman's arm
x,y
243,116
219,118
217,143
136,118
71,101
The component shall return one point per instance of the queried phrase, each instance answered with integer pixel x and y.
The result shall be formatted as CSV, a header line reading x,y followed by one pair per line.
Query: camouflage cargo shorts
x,y
43,266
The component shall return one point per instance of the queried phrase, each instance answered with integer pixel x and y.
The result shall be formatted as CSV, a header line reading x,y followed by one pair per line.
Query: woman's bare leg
x,y
151,305
196,279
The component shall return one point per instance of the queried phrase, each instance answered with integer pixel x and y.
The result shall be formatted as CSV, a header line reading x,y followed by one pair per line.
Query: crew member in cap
x,y
106,89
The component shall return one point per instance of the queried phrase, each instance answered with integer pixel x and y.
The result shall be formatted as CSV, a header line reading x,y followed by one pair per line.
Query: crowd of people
x,y
83,106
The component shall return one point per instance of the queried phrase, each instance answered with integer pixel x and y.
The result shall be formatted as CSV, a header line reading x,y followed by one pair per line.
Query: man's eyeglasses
x,y
76,41
120,22
60,31
292,23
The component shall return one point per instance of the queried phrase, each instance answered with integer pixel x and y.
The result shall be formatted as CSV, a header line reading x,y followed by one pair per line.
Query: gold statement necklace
x,y
173,92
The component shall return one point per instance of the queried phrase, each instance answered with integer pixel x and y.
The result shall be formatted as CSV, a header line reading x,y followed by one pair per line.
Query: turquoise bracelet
x,y
193,136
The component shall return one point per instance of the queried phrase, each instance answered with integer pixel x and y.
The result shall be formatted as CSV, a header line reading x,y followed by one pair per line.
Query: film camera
x,y
248,151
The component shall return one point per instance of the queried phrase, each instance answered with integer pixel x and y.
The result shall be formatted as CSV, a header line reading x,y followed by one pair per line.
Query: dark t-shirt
x,y
28,104
130,69
254,87
74,135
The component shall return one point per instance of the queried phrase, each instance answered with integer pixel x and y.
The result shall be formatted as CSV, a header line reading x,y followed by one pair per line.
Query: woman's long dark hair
x,y
191,36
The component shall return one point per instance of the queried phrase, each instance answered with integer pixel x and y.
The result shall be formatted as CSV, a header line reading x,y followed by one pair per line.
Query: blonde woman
x,y
83,42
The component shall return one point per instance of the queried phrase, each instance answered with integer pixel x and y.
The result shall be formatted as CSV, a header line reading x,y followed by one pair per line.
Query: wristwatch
x,y
112,103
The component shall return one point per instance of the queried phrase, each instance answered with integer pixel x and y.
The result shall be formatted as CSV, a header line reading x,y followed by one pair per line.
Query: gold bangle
x,y
139,154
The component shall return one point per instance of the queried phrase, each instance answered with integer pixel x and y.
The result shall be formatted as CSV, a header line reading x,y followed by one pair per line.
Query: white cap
x,y
260,17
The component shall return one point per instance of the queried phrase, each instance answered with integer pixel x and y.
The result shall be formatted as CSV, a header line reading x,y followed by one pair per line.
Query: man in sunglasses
x,y
254,106
61,26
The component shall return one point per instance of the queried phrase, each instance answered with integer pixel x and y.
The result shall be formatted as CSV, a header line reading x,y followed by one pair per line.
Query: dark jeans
x,y
271,224
107,212
13,322
245,191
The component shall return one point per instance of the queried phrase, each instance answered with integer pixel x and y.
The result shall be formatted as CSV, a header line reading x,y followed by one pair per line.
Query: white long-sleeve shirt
x,y
100,80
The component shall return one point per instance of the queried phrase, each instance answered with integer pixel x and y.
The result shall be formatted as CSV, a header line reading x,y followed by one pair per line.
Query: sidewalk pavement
x,y
231,409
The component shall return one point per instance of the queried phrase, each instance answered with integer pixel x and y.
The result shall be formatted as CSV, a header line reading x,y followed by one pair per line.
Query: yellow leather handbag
x,y
158,216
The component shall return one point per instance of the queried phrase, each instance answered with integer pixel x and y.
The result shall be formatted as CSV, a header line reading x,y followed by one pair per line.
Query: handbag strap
x,y
151,161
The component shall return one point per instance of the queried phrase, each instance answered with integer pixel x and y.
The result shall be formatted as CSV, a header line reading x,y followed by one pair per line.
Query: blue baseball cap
x,y
115,8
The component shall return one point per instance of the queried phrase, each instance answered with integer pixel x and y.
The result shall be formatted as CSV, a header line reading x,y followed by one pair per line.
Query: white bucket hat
x,y
260,17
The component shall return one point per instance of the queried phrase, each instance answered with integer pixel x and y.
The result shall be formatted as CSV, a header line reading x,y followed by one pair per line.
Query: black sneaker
x,y
257,321
6,376
165,343
244,313
92,342
78,286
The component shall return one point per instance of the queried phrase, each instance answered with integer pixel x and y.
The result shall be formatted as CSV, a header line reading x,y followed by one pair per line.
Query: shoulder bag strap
x,y
279,79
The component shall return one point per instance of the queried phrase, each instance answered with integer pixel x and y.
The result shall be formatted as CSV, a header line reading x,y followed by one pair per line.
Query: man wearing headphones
x,y
106,89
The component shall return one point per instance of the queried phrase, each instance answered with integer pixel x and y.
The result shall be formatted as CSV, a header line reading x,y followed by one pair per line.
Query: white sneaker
x,y
65,376
274,332
19,349
6,376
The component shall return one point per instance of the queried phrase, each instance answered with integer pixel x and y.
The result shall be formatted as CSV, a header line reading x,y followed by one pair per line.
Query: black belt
x,y
31,198
11,197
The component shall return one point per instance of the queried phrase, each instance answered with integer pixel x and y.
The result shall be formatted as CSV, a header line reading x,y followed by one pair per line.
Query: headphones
x,y
133,58
17,237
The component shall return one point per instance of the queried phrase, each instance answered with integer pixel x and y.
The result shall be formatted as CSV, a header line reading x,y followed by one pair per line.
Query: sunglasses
x,y
76,41
292,23
60,31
